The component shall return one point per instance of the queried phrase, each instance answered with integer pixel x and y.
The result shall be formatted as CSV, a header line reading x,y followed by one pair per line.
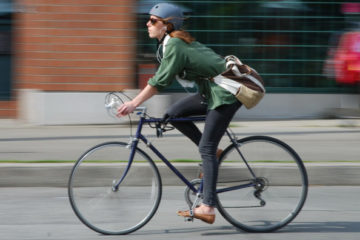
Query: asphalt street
x,y
41,210
330,213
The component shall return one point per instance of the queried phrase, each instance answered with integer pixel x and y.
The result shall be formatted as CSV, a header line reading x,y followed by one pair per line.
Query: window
x,y
5,49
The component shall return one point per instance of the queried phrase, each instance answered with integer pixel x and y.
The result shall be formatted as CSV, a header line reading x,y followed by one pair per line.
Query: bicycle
x,y
115,187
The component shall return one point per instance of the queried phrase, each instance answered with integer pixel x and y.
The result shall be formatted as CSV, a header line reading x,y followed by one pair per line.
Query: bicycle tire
x,y
98,205
271,202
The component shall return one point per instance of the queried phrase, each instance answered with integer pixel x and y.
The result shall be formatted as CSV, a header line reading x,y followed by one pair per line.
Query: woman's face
x,y
156,27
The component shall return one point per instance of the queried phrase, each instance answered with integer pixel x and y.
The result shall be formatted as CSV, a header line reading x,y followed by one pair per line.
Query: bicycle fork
x,y
132,145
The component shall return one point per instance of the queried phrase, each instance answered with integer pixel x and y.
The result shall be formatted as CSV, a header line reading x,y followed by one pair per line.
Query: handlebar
x,y
140,111
114,100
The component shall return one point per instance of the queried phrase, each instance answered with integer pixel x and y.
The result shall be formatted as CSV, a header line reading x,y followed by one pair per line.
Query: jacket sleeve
x,y
172,64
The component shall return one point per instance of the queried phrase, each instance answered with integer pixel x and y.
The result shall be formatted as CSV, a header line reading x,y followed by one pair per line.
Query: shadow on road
x,y
305,227
323,227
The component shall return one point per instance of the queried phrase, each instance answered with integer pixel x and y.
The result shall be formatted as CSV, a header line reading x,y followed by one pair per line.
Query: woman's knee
x,y
206,149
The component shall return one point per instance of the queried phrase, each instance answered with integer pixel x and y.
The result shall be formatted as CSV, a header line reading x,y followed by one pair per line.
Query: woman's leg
x,y
188,106
216,123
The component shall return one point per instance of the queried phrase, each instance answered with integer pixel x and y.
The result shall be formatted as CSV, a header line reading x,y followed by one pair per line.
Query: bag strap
x,y
233,60
166,39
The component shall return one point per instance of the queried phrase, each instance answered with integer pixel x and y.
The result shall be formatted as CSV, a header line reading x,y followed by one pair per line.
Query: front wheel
x,y
262,184
103,204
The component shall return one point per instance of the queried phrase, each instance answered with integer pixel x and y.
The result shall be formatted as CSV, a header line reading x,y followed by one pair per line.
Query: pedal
x,y
188,219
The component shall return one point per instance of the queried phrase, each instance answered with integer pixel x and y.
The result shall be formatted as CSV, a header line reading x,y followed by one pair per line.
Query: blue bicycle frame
x,y
140,136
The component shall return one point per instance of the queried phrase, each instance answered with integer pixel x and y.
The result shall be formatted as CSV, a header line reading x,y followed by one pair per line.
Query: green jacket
x,y
199,62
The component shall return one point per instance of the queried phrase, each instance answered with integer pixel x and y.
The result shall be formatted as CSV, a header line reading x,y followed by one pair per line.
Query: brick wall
x,y
75,45
8,109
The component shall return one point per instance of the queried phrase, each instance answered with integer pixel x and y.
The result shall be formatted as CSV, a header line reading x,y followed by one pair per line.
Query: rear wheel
x,y
106,206
274,184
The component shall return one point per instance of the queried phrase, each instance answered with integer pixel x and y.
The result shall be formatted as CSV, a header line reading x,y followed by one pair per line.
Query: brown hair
x,y
182,34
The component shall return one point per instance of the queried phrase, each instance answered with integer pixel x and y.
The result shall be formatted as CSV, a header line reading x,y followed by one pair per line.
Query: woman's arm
x,y
129,107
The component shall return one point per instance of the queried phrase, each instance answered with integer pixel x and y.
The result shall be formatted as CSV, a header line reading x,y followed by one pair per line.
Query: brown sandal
x,y
208,218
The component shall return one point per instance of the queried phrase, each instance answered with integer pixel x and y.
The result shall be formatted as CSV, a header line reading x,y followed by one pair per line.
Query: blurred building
x,y
59,57
65,46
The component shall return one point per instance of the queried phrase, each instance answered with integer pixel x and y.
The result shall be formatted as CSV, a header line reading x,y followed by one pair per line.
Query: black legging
x,y
216,122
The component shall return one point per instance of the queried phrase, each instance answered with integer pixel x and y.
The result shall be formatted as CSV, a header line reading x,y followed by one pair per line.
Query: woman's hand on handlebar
x,y
129,107
125,109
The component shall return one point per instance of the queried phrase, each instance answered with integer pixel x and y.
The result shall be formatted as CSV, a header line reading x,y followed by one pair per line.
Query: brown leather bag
x,y
242,81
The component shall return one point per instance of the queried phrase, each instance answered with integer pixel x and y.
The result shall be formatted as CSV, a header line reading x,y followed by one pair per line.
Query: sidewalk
x,y
330,149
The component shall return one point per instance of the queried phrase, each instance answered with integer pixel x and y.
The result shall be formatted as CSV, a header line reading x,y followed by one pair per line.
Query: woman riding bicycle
x,y
184,58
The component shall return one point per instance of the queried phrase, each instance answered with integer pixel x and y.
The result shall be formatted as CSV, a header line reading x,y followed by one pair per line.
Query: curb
x,y
57,175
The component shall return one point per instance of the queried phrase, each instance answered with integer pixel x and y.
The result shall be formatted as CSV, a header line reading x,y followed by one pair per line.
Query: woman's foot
x,y
203,212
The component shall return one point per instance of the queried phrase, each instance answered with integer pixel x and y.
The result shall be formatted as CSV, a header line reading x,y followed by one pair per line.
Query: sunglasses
x,y
153,21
